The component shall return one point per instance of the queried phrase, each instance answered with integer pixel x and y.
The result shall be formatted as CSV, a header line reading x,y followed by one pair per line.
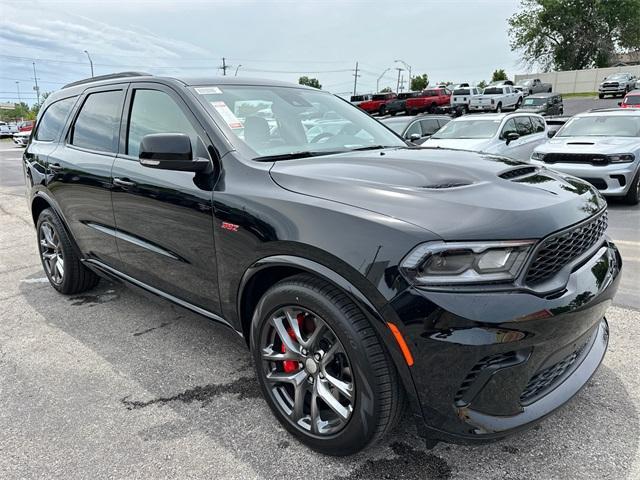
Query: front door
x,y
164,218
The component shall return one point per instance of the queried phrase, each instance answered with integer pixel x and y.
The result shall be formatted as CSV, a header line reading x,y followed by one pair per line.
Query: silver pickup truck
x,y
496,99
533,85
617,84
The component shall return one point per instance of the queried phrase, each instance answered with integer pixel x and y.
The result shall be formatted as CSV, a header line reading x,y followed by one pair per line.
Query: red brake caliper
x,y
291,365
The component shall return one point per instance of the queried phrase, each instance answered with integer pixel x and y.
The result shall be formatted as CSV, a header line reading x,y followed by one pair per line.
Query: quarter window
x,y
53,119
97,125
154,111
538,124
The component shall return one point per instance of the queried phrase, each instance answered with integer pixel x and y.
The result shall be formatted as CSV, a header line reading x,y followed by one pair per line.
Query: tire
x,y
601,96
633,195
518,103
432,108
377,396
393,113
55,248
382,110
499,107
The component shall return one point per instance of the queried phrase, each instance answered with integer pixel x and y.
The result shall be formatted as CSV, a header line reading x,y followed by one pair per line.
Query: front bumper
x,y
612,180
22,141
490,363
612,90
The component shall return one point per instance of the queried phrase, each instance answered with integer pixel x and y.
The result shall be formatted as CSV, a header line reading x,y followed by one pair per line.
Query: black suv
x,y
361,271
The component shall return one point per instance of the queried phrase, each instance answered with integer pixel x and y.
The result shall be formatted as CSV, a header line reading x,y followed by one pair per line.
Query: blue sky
x,y
455,40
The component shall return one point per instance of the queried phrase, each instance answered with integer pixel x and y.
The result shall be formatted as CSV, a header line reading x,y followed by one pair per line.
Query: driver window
x,y
154,111
509,127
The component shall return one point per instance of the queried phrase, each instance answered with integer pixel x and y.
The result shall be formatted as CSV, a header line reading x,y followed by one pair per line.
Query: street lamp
x,y
18,87
408,67
380,78
90,62
237,68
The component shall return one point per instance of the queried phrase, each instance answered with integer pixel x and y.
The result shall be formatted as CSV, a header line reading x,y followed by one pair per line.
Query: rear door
x,y
165,218
80,171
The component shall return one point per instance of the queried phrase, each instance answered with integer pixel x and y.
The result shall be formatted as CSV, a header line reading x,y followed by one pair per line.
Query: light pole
x,y
18,87
399,71
237,68
380,78
408,67
90,62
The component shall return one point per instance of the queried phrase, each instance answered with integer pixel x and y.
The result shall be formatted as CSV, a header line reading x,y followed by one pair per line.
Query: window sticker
x,y
208,90
227,115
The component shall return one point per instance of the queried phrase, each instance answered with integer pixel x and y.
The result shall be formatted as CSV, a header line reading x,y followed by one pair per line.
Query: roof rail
x,y
107,77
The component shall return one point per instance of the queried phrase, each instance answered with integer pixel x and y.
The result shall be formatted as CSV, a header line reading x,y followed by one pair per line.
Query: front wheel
x,y
633,195
499,108
322,369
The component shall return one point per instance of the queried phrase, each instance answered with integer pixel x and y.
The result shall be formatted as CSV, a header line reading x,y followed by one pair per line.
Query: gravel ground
x,y
115,384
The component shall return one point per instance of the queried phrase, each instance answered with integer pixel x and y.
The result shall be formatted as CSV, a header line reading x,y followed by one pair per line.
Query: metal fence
x,y
578,81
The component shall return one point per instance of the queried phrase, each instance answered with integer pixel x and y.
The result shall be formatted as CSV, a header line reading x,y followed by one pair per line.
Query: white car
x,y
496,98
514,135
21,138
601,147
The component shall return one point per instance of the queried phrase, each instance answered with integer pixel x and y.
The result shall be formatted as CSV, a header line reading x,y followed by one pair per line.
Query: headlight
x,y
442,263
537,156
622,158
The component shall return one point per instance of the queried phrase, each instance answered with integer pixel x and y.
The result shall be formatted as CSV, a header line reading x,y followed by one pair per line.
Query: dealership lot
x,y
115,384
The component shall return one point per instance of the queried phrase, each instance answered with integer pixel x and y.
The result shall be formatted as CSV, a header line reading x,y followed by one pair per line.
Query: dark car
x,y
543,104
360,271
417,128
399,105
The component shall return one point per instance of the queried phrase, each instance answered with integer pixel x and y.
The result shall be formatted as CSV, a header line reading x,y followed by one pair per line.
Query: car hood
x,y
531,109
604,145
475,144
456,195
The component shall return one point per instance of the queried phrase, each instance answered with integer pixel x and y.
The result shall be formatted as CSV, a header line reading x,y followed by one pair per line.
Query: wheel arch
x,y
266,271
42,201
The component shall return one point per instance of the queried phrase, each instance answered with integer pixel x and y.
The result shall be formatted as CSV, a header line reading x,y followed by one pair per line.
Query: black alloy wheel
x,y
322,369
51,252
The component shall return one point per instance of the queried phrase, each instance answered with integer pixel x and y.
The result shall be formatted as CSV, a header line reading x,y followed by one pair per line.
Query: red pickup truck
x,y
377,103
428,100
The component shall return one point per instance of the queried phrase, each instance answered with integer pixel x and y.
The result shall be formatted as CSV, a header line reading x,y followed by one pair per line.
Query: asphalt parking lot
x,y
115,384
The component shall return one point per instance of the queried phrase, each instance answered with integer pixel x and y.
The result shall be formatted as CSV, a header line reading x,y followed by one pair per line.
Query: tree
x,y
574,34
386,89
482,84
310,82
419,82
499,75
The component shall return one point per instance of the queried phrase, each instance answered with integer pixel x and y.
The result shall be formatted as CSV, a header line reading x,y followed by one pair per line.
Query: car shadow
x,y
202,372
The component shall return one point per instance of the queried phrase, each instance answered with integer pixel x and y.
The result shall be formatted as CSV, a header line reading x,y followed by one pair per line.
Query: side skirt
x,y
104,269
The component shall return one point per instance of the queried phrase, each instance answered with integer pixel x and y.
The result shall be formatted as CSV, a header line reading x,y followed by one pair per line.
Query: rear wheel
x,y
382,110
633,195
499,107
322,368
518,103
601,96
59,259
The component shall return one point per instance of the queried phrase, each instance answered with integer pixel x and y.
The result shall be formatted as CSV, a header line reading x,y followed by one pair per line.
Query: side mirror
x,y
551,133
511,136
170,151
619,104
414,137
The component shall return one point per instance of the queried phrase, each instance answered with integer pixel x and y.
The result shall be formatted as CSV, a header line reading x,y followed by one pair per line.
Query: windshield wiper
x,y
294,155
372,147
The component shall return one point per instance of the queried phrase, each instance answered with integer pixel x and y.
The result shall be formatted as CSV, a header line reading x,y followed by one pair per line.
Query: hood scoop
x,y
518,172
580,143
446,185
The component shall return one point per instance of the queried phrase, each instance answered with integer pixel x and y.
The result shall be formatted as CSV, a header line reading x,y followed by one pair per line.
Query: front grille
x,y
561,248
610,85
588,158
518,172
542,382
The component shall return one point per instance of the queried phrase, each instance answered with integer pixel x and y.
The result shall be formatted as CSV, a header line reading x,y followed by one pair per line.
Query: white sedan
x,y
514,135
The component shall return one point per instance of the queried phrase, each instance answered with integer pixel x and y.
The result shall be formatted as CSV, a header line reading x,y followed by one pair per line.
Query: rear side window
x,y
538,124
154,111
98,122
53,120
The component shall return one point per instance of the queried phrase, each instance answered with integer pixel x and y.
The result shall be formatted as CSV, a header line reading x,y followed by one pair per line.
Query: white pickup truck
x,y
496,98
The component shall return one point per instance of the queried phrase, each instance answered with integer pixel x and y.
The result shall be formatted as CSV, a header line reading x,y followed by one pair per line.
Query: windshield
x,y
276,121
534,101
617,76
468,129
632,100
602,126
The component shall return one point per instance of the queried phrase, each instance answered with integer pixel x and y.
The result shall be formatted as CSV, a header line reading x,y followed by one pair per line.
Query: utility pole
x,y
401,83
400,70
224,66
35,80
355,79
380,78
90,62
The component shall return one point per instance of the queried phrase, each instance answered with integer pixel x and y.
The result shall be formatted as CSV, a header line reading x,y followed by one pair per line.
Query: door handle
x,y
56,167
123,182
